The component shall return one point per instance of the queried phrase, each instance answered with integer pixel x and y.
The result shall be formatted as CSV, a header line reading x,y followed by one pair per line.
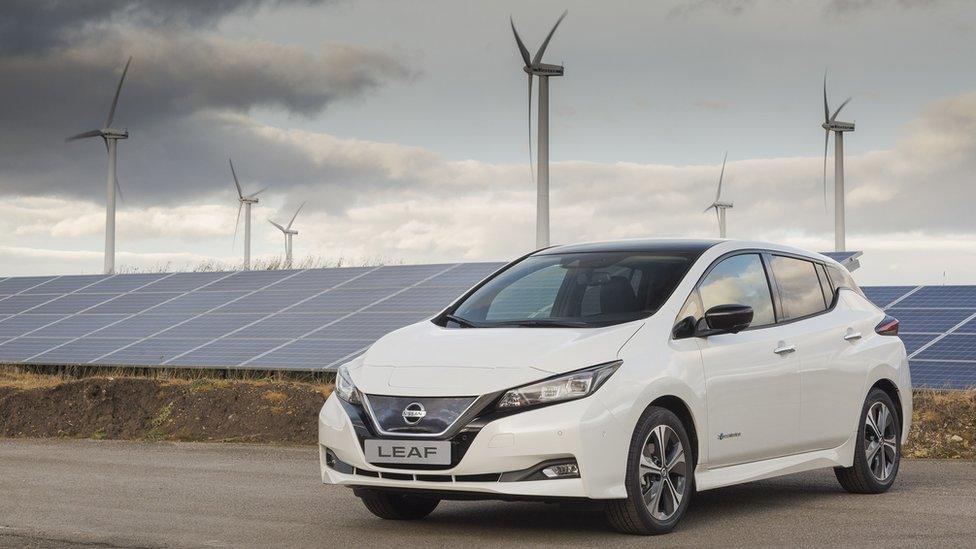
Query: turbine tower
x,y
535,67
831,124
289,233
245,202
718,205
110,136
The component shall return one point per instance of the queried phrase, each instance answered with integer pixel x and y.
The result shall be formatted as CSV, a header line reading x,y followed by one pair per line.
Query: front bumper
x,y
583,430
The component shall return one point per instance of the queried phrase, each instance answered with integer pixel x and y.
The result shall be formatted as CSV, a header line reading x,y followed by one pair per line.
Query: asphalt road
x,y
97,494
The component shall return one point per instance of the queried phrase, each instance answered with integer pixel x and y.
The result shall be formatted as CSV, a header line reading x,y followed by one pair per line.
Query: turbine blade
x,y
115,100
709,208
83,135
118,189
280,228
237,224
105,142
240,193
542,49
826,107
261,190
721,175
718,218
826,144
846,101
521,46
296,215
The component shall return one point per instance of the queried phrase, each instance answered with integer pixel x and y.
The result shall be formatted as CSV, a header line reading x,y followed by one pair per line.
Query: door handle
x,y
852,336
784,350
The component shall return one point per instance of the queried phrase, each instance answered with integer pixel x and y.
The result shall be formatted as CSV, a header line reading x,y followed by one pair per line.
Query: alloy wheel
x,y
663,472
880,441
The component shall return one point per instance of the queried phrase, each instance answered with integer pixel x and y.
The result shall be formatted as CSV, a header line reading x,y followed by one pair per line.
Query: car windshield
x,y
573,290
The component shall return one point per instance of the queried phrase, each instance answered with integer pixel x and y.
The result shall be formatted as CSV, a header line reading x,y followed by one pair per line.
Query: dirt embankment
x,y
142,408
944,423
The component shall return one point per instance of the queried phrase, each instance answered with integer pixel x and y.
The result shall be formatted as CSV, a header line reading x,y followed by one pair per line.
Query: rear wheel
x,y
397,506
660,476
878,449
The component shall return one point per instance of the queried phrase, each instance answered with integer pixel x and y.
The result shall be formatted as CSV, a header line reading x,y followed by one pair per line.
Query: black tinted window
x,y
799,287
825,285
739,280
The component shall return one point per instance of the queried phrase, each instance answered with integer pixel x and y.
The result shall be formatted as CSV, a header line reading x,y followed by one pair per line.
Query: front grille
x,y
438,413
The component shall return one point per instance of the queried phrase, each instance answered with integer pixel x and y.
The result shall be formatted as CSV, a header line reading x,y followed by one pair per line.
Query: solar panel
x,y
883,296
65,284
928,320
316,318
13,286
942,297
943,375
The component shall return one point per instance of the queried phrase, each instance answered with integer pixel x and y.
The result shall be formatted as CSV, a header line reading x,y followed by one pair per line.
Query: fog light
x,y
563,470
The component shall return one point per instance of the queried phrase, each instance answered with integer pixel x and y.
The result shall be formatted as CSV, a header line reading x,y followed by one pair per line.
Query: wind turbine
x,y
289,233
245,202
831,124
535,67
110,137
718,205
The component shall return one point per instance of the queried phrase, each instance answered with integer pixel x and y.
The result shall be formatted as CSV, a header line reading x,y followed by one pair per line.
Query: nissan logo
x,y
413,413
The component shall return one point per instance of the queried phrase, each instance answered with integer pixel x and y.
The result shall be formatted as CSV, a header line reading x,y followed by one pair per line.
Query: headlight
x,y
569,386
345,388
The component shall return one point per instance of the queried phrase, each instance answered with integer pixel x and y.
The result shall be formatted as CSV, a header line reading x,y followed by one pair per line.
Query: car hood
x,y
427,360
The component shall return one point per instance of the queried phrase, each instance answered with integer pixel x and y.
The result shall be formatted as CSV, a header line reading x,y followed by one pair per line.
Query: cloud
x,y
730,7
178,94
853,6
36,26
715,105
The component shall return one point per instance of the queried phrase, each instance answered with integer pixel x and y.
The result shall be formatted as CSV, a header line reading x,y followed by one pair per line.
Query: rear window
x,y
799,287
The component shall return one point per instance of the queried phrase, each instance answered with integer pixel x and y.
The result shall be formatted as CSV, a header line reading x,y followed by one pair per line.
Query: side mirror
x,y
724,319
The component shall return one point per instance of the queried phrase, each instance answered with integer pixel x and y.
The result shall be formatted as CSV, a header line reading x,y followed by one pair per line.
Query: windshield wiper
x,y
541,323
461,320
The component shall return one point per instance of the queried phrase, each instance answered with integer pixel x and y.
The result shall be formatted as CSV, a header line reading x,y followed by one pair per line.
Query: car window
x,y
825,286
799,286
531,296
576,289
692,307
739,280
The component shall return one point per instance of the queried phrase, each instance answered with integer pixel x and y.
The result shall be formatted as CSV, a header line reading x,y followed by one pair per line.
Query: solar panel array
x,y
938,326
296,320
316,319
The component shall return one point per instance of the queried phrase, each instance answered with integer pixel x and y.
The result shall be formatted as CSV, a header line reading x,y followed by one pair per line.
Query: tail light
x,y
888,326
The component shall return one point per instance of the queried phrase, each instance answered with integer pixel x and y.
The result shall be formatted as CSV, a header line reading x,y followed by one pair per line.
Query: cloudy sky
x,y
403,125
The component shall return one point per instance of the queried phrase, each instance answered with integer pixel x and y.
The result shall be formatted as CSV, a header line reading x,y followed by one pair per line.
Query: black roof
x,y
690,246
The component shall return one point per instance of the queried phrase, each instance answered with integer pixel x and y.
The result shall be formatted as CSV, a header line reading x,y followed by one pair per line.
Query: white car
x,y
635,372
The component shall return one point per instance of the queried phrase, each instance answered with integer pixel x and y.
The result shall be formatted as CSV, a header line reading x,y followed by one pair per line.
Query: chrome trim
x,y
450,428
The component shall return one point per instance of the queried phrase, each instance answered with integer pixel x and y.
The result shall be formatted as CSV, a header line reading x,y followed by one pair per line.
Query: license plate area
x,y
408,452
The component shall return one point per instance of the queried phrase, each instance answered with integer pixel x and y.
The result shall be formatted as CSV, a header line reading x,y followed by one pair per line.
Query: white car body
x,y
752,413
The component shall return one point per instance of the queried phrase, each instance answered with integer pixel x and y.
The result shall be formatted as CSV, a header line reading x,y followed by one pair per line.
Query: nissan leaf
x,y
635,373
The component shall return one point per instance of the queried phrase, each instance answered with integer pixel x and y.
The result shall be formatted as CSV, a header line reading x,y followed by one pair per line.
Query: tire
x,y
875,467
397,506
645,478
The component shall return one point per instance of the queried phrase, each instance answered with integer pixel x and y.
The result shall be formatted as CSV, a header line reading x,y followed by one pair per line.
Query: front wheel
x,y
877,452
397,506
660,476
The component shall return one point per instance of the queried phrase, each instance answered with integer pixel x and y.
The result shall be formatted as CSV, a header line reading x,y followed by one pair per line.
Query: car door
x,y
752,386
832,391
817,336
